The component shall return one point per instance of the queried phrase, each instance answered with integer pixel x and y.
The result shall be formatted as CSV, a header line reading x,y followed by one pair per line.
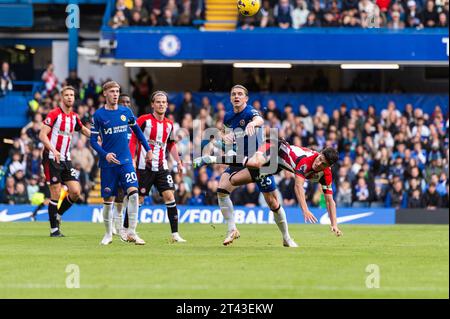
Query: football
x,y
248,8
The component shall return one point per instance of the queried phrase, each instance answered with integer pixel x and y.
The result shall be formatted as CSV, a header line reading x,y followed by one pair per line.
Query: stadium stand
x,y
385,143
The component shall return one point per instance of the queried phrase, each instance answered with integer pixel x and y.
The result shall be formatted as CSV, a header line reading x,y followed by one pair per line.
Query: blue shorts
x,y
113,178
265,183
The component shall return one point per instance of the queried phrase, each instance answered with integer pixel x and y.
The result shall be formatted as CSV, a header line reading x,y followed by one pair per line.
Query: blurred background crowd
x,y
394,158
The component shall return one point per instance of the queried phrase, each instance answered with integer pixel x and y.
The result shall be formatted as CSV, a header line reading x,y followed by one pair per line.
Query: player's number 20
x,y
131,177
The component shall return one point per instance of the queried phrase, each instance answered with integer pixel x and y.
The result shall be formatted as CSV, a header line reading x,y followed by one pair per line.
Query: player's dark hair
x,y
331,155
238,86
156,93
123,95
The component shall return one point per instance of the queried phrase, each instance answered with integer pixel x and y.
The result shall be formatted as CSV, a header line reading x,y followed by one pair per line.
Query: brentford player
x,y
56,135
158,130
305,163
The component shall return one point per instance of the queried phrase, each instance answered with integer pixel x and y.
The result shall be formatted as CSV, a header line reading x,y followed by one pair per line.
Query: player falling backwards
x,y
158,130
306,164
56,135
246,123
111,123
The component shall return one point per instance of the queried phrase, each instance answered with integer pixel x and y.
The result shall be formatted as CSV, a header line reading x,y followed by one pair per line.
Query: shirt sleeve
x,y
131,119
78,124
95,132
326,181
50,119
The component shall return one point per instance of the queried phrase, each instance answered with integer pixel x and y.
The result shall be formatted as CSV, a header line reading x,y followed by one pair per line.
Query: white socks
x,y
133,208
226,206
117,219
107,217
280,219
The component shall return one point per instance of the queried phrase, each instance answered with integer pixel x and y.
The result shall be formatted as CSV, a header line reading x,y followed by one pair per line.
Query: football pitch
x,y
406,262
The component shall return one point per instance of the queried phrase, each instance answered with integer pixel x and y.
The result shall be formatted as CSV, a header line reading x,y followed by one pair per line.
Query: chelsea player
x,y
246,123
116,167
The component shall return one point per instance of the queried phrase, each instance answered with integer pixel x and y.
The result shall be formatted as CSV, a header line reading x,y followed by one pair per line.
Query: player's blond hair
x,y
68,87
238,86
109,85
156,93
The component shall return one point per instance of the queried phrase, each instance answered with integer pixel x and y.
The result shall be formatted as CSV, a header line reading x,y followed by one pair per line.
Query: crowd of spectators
x,y
389,159
156,13
392,14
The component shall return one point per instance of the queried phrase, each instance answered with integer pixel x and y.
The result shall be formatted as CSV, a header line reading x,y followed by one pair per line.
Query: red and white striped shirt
x,y
62,127
159,137
299,160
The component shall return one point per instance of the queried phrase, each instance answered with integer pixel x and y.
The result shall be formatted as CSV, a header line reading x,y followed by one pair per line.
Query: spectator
x,y
248,196
283,14
412,15
142,88
397,198
361,194
136,19
118,20
414,200
167,19
143,13
443,20
344,195
20,196
267,17
17,164
6,79
182,196
51,81
429,15
33,167
286,187
9,191
74,80
188,106
186,14
198,198
396,22
32,187
300,14
431,199
313,22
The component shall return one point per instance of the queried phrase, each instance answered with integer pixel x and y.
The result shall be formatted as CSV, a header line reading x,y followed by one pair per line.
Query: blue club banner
x,y
274,44
205,215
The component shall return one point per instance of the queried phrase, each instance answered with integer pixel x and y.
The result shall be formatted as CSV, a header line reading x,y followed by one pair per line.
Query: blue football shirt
x,y
240,120
113,128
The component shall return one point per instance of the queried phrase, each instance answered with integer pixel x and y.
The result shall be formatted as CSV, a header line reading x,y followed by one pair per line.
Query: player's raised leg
x,y
227,208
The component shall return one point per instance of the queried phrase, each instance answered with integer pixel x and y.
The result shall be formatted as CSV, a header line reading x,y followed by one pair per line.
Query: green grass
x,y
413,262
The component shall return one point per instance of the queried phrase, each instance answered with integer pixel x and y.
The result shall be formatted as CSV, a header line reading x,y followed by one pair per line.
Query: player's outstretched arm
x,y
85,131
140,136
43,136
331,208
301,198
257,121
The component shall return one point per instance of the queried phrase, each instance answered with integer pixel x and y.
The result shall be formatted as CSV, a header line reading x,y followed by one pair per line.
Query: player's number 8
x,y
131,177
169,179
